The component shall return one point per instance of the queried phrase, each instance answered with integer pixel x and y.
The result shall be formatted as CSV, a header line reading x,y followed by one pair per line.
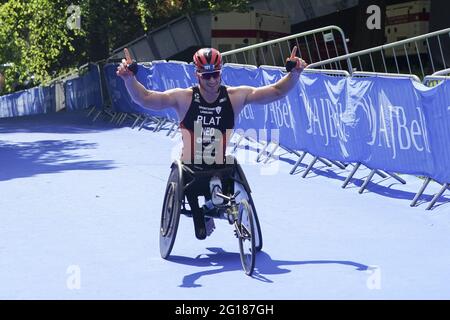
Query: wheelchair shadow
x,y
230,261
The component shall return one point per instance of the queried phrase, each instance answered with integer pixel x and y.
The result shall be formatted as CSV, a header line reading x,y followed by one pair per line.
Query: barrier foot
x,y
96,116
136,121
437,195
175,132
350,176
397,177
310,166
160,124
262,151
345,164
271,153
298,162
338,164
113,118
143,123
289,150
381,173
118,118
109,112
366,182
90,111
122,119
325,162
237,143
420,192
171,128
143,119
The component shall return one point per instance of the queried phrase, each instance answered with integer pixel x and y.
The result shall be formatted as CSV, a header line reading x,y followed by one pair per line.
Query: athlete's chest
x,y
211,114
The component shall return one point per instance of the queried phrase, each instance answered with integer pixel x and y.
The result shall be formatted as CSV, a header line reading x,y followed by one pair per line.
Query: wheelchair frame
x,y
175,204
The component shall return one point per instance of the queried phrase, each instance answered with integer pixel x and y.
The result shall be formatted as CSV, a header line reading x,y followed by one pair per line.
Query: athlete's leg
x,y
200,187
197,216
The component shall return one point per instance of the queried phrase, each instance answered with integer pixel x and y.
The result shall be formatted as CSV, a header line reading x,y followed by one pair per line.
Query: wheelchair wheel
x,y
258,235
170,215
246,236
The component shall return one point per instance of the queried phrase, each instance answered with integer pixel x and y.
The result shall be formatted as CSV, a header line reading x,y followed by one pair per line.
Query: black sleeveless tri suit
x,y
206,129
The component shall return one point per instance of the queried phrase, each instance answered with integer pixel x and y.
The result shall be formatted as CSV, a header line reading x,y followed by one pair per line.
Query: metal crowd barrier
x,y
314,45
273,53
398,55
432,81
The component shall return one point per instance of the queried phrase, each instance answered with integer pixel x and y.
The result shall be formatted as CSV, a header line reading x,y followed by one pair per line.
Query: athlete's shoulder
x,y
180,93
181,90
239,90
183,97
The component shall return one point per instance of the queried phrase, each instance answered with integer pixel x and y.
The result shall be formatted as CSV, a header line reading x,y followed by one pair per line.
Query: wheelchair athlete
x,y
207,112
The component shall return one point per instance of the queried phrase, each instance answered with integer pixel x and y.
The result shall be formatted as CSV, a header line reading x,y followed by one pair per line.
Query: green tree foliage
x,y
30,39
36,42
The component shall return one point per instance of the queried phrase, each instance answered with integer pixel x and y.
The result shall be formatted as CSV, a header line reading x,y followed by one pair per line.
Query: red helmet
x,y
208,59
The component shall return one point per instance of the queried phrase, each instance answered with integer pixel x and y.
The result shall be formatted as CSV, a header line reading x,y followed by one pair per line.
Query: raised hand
x,y
127,67
295,63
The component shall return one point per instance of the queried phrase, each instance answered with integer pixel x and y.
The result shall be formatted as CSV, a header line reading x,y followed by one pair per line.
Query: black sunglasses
x,y
209,75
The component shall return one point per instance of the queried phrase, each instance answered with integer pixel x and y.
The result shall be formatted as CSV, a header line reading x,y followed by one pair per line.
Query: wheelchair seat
x,y
207,172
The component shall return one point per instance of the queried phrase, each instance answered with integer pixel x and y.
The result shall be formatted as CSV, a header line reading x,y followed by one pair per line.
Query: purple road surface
x,y
80,206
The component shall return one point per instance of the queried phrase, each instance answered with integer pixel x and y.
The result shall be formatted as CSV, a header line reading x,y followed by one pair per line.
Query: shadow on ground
x,y
26,159
59,122
224,261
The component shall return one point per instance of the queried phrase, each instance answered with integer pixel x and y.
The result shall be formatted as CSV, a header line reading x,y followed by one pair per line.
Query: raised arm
x,y
139,94
279,89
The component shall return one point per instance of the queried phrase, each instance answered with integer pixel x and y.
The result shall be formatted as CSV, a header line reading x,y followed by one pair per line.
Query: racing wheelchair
x,y
237,208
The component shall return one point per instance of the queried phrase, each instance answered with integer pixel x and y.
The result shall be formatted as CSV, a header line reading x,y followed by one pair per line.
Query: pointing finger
x,y
293,53
127,56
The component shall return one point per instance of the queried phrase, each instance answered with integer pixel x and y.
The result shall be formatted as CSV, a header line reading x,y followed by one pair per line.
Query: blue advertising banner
x,y
436,113
322,100
27,102
84,91
393,124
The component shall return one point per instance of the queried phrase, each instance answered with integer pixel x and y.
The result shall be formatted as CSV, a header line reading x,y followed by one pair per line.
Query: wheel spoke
x,y
246,234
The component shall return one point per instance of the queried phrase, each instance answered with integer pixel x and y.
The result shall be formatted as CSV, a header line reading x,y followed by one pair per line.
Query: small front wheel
x,y
246,235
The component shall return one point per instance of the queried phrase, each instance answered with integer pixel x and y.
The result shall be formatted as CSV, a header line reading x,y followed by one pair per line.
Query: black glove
x,y
133,67
290,65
